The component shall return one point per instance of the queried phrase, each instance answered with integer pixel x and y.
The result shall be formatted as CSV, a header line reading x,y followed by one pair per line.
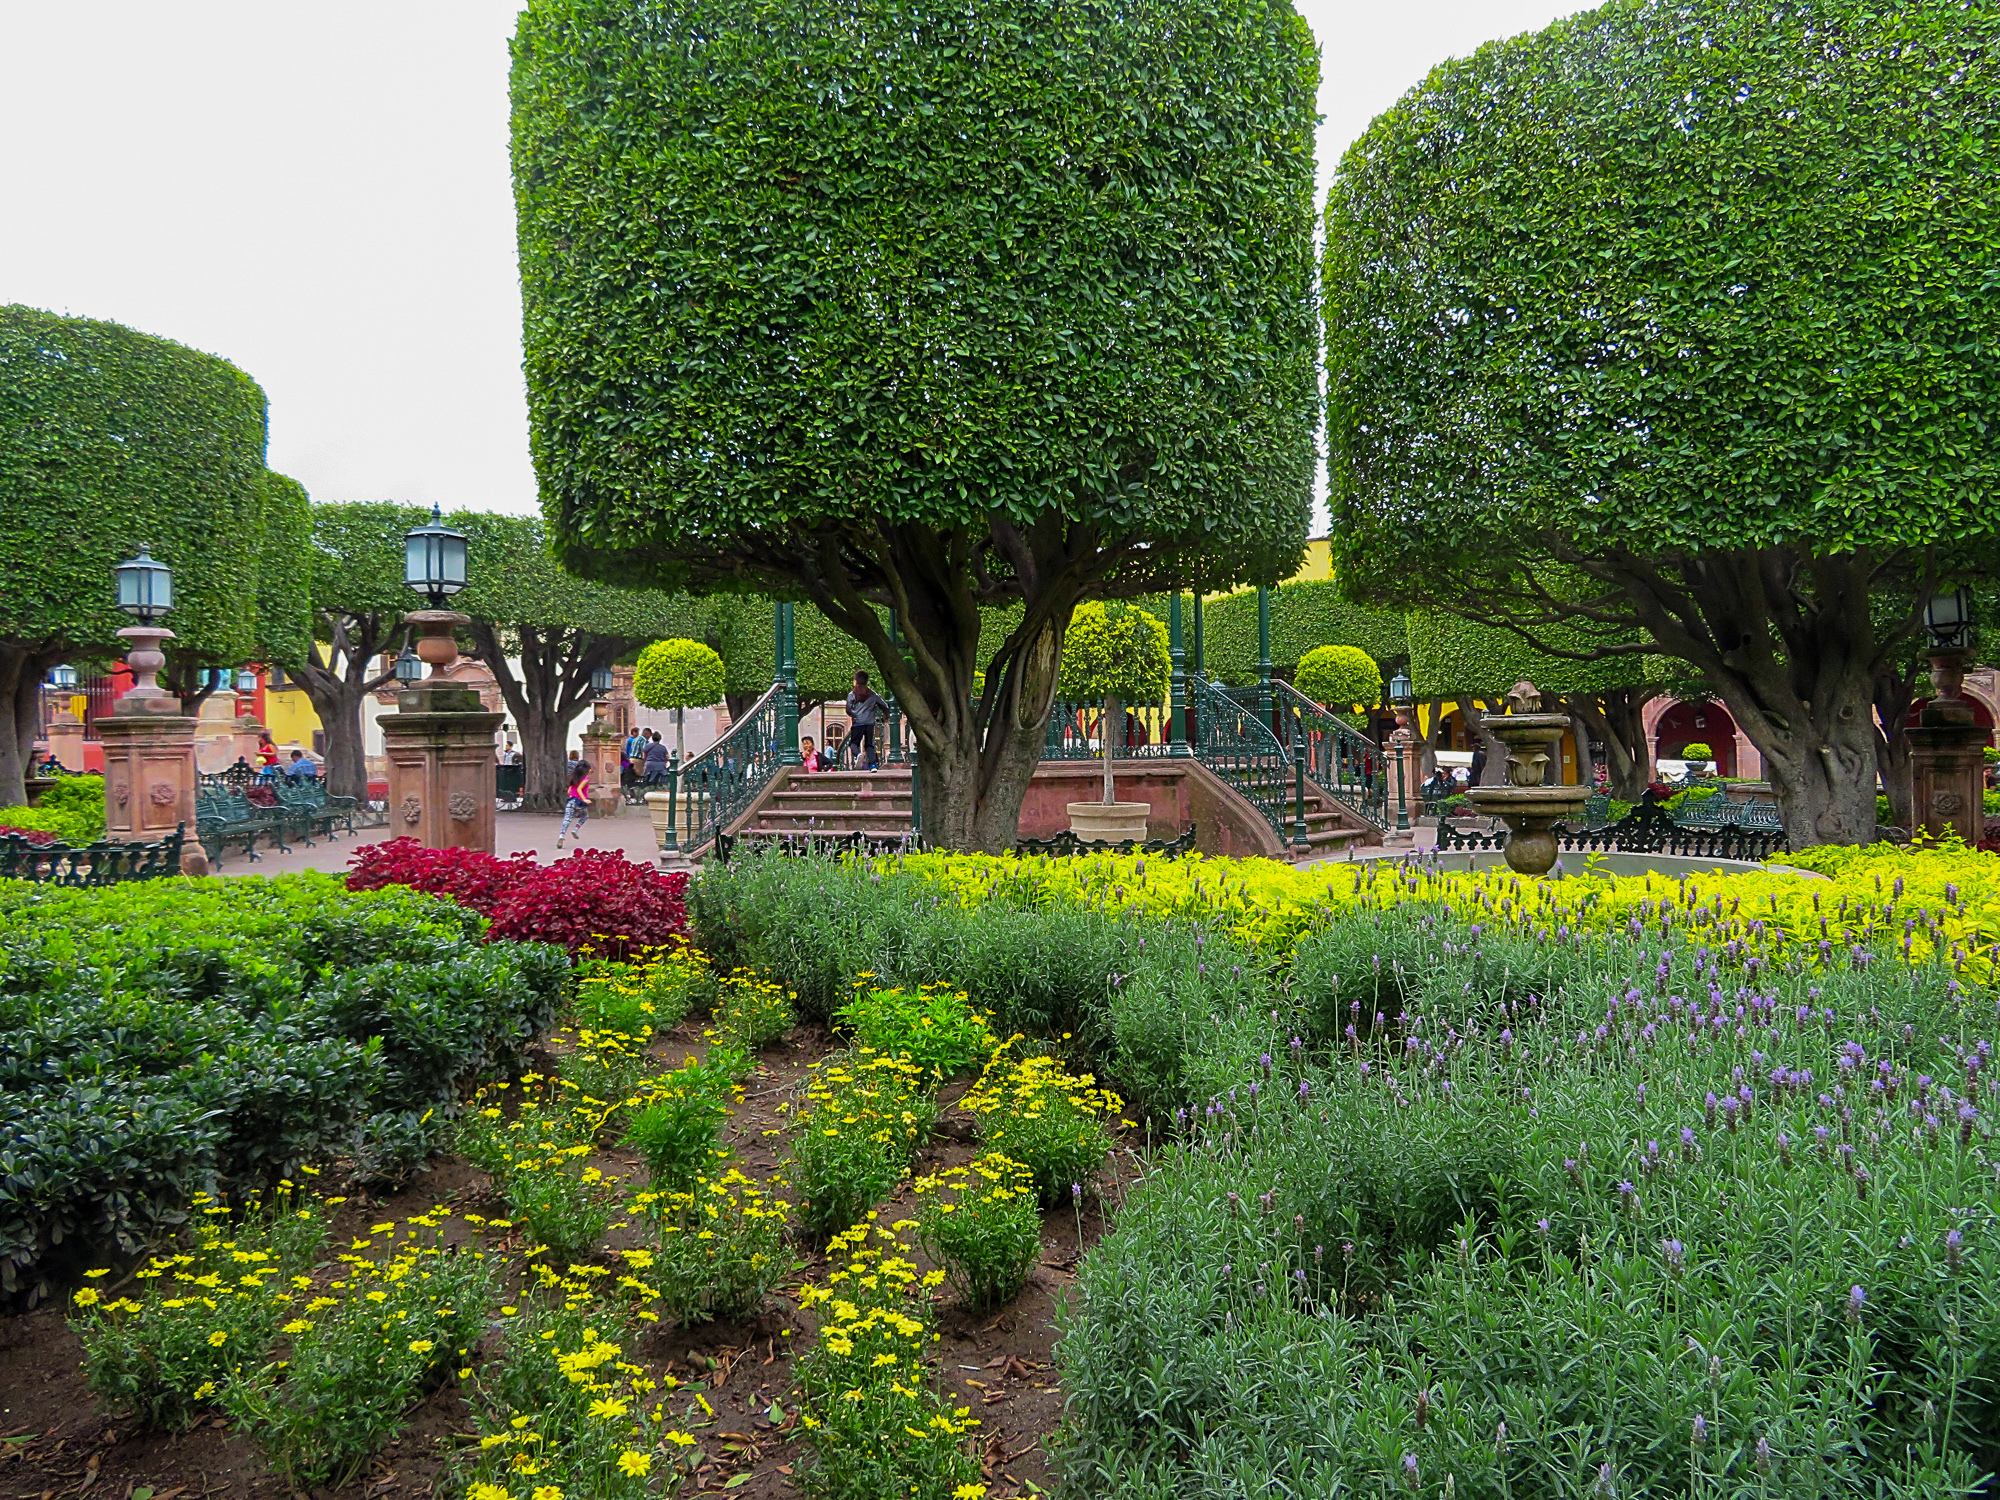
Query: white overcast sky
x,y
319,193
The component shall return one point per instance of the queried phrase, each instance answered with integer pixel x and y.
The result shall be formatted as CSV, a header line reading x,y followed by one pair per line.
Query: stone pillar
x,y
1948,760
602,744
66,739
439,749
215,732
149,757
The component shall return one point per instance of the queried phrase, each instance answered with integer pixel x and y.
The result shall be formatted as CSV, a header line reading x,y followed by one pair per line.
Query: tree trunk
x,y
1618,720
338,703
975,757
552,687
1494,771
1427,763
1110,718
19,682
1894,694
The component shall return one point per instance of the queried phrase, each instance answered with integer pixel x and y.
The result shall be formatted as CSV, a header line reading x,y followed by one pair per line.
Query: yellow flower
x,y
969,1492
298,1325
607,1408
634,1463
218,1338
486,1492
88,1297
421,1346
680,1440
547,1492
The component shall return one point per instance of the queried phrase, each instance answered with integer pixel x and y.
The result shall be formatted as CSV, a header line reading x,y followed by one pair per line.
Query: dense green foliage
x,y
932,251
1303,615
1451,657
1115,651
1339,677
1465,1195
679,674
109,439
72,810
164,1039
284,573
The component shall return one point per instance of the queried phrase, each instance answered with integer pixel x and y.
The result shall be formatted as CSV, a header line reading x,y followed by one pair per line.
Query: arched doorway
x,y
1685,724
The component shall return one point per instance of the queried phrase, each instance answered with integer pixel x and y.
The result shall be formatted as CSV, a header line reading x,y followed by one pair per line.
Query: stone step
x,y
835,799
774,820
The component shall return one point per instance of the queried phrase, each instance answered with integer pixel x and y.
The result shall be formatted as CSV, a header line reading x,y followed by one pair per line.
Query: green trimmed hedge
x,y
167,1038
1303,615
1450,657
110,438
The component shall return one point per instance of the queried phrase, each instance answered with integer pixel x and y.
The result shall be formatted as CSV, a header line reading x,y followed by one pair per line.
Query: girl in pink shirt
x,y
576,808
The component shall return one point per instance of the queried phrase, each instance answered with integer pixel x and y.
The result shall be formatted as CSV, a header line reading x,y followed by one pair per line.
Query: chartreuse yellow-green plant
x,y
873,1412
717,1250
1047,1119
979,1222
862,1119
565,1413
168,1353
934,1026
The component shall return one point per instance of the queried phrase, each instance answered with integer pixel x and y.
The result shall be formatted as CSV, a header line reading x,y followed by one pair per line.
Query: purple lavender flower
x,y
1954,1249
1676,1255
1762,1457
1856,1299
1410,1470
1699,1436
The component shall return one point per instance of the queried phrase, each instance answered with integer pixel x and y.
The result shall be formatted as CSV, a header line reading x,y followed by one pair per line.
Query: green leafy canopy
x,y
1115,651
679,674
1340,677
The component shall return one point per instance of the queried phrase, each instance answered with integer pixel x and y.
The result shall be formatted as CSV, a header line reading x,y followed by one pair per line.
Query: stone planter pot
x,y
659,809
1109,822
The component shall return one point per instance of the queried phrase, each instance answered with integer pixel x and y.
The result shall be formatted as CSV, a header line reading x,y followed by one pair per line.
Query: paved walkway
x,y
629,830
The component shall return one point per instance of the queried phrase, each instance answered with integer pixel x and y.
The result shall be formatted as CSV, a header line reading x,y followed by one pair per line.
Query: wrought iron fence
x,y
1647,829
98,864
1076,731
716,787
1234,742
1341,762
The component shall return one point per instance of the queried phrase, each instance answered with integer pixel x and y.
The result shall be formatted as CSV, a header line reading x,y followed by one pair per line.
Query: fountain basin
x,y
1528,812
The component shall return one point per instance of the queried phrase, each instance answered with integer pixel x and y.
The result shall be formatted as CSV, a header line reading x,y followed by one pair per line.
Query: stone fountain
x,y
1526,806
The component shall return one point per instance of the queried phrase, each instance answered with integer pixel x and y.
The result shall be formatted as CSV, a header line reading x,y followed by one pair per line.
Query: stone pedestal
x,y
215,732
66,739
602,745
439,749
149,780
1947,780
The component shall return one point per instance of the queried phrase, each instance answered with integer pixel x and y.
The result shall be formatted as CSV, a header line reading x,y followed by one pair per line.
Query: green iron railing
x,y
1231,739
1341,762
99,864
716,787
1076,731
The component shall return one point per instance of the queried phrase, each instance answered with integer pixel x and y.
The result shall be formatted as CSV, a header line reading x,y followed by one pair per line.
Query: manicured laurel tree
x,y
678,674
544,632
1693,302
1303,615
110,438
1339,677
354,568
1696,750
1116,653
817,311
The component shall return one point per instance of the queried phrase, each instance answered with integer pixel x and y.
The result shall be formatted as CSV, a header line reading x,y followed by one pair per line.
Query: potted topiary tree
x,y
1117,654
1697,754
1338,678
680,675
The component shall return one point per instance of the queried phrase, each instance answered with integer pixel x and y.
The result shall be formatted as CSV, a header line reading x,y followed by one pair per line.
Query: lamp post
x,y
148,741
439,742
1947,746
1402,750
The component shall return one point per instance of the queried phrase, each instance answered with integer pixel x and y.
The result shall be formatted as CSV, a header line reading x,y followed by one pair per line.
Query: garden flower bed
x,y
1389,1181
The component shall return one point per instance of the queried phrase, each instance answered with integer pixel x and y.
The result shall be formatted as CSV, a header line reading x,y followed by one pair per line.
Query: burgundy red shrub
x,y
36,836
595,896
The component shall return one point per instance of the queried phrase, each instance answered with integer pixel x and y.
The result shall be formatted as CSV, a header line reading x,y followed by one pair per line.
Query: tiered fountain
x,y
1528,808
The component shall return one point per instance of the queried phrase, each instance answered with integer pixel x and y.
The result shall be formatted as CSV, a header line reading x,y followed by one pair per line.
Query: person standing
x,y
656,759
630,757
865,709
576,806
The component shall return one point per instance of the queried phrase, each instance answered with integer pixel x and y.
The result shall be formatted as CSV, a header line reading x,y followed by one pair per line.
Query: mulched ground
x,y
56,1443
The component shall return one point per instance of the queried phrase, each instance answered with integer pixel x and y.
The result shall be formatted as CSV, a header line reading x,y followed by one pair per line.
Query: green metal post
x,y
1402,801
1301,841
1264,654
1200,661
1177,689
788,700
673,840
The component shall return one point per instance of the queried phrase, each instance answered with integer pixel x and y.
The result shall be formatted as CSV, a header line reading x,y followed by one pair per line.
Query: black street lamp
x,y
1948,618
408,669
602,682
434,560
1401,694
145,587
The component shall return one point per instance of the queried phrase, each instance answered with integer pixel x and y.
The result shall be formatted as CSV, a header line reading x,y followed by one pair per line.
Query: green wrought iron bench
x,y
222,816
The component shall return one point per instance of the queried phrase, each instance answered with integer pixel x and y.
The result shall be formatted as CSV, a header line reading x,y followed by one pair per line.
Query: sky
x,y
319,194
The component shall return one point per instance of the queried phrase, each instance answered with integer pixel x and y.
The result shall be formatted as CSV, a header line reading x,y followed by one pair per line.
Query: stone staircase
x,y
875,804
1330,829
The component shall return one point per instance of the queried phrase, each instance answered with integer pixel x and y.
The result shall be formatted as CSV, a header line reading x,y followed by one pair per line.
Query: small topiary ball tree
x,y
1117,653
1339,677
679,675
1697,750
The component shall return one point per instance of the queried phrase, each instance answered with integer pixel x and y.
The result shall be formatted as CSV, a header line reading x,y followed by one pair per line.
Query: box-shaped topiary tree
x,y
1116,653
